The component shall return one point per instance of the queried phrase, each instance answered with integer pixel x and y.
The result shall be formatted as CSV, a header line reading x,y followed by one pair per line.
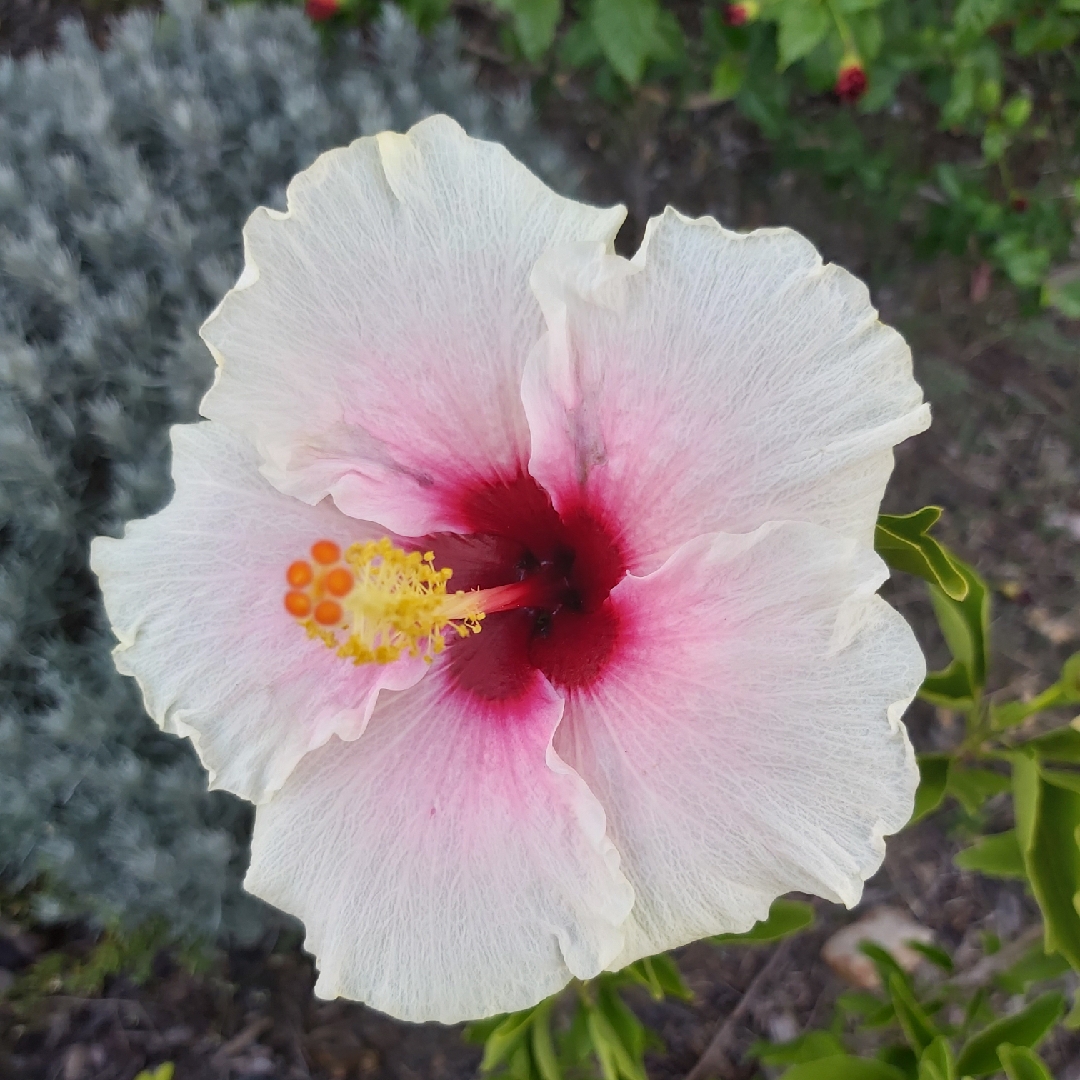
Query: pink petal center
x,y
576,561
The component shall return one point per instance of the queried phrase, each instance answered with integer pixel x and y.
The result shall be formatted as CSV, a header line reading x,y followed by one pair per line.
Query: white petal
x,y
195,596
716,382
374,345
447,865
746,738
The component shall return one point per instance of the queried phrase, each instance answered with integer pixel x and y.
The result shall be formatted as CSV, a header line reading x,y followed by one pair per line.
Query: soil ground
x,y
1003,458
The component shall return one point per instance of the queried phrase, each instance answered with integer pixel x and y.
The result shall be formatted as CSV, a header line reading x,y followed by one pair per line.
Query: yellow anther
x,y
386,602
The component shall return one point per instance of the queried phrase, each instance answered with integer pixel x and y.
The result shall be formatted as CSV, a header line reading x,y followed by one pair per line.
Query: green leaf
x,y
996,856
535,22
727,77
842,1067
1062,291
1020,1063
917,1026
618,1036
803,25
659,975
505,1038
905,543
786,917
934,953
543,1049
1035,967
1016,110
1026,265
628,34
1062,744
971,787
933,777
936,1062
810,1046
1047,819
965,623
979,1057
950,687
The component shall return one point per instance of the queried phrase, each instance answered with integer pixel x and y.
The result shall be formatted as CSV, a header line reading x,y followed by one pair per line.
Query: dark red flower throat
x,y
515,534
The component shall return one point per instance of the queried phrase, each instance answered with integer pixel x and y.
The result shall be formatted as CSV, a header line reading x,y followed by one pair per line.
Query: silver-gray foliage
x,y
125,176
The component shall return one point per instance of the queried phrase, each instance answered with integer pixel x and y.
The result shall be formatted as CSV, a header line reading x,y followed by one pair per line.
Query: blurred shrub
x,y
125,176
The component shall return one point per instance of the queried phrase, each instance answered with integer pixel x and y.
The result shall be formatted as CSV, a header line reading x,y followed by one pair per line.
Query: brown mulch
x,y
1003,458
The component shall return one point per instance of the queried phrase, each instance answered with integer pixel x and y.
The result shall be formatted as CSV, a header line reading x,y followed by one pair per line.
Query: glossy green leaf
x,y
996,856
933,777
905,543
786,917
842,1067
1020,1063
1047,819
628,33
979,1056
937,1062
917,1026
803,25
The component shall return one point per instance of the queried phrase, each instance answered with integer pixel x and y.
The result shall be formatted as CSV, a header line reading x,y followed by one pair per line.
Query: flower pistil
x,y
375,601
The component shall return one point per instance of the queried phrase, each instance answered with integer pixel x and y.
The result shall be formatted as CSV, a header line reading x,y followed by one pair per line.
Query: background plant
x,y
959,119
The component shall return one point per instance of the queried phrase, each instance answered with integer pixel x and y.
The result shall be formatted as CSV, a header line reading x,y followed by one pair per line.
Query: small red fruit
x,y
741,13
851,82
1019,203
321,10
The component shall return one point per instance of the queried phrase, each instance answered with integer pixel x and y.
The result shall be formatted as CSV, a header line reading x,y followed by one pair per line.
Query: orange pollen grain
x,y
299,574
325,552
298,604
339,582
328,613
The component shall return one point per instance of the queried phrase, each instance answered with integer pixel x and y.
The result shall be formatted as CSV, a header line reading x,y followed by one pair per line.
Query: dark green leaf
x,y
842,1067
933,776
660,976
1062,744
917,1026
937,956
979,1057
803,24
1047,818
727,77
786,917
628,34
950,687
905,543
1020,1063
534,22
996,856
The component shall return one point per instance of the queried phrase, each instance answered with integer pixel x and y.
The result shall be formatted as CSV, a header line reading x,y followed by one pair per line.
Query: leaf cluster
x,y
967,125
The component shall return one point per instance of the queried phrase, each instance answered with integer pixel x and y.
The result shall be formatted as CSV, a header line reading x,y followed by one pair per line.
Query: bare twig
x,y
714,1061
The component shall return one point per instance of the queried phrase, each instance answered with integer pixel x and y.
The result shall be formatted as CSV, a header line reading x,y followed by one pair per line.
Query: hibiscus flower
x,y
659,689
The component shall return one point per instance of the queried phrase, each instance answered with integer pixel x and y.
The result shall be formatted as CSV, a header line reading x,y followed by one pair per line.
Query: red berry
x,y
736,15
321,10
851,82
1019,203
